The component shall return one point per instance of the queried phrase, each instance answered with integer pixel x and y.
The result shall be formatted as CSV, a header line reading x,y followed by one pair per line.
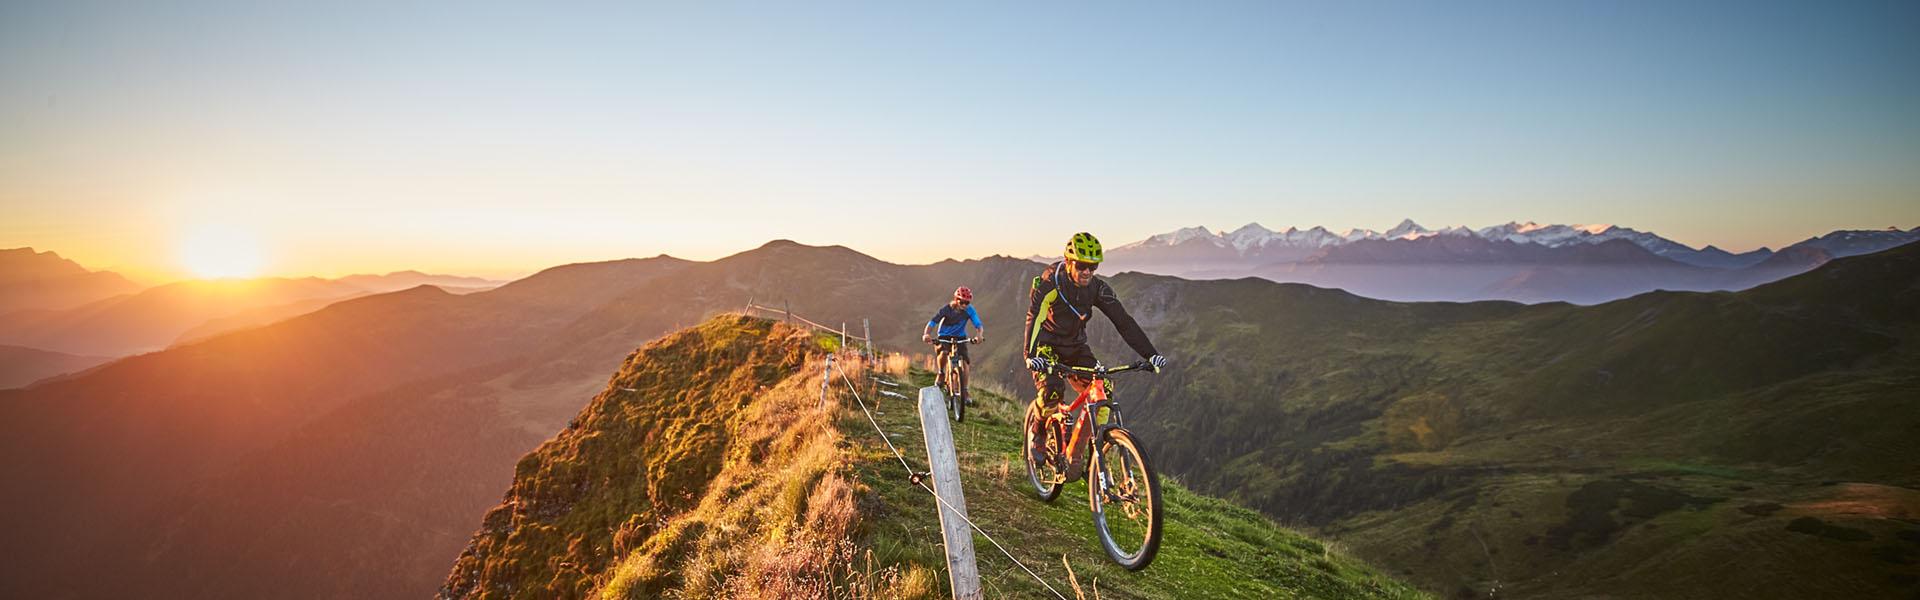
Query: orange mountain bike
x,y
1122,490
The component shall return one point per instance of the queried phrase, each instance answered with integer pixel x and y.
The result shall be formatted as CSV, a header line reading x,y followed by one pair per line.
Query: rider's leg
x,y
1048,388
1047,392
940,366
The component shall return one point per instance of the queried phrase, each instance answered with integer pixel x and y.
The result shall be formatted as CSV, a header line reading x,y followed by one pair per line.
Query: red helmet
x,y
963,294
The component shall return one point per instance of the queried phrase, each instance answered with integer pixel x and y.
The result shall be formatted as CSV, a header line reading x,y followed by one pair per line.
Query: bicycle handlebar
x,y
1098,371
956,342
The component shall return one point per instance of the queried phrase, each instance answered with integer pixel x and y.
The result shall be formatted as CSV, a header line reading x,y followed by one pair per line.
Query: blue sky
x,y
362,137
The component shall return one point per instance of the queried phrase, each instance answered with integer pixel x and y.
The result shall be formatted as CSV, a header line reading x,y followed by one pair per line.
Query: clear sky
x,y
349,137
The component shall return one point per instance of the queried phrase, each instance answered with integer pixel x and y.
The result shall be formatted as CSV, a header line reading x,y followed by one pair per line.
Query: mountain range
x,y
1526,262
119,320
32,280
349,451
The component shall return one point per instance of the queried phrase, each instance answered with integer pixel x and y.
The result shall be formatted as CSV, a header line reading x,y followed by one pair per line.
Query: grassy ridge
x,y
645,451
1211,549
711,468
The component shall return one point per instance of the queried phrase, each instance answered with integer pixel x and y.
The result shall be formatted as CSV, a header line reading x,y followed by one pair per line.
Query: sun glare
x,y
215,252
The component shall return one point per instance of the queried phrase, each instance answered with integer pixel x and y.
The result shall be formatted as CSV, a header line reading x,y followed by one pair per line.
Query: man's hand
x,y
1036,364
978,338
926,337
1158,362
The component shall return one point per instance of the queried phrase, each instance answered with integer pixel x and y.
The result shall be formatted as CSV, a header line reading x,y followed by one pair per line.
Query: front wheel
x,y
1125,494
957,394
1041,442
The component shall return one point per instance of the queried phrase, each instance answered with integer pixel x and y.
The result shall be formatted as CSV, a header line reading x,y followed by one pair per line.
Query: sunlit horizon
x,y
498,141
216,253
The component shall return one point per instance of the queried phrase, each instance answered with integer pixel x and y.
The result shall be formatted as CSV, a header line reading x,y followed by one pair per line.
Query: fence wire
x,y
916,477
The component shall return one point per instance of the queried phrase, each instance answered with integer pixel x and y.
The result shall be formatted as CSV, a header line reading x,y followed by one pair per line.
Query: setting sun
x,y
216,252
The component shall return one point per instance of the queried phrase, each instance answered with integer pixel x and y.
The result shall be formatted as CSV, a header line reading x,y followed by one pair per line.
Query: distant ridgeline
x,y
1526,262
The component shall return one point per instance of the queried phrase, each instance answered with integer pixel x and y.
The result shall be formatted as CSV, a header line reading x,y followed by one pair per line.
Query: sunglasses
x,y
1084,266
965,302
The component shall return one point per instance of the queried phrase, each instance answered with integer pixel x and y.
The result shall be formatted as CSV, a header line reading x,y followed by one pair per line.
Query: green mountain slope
x,y
1659,445
709,467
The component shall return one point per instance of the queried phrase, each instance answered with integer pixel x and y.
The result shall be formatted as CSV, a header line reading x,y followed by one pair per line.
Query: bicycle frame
x,y
1091,399
1085,406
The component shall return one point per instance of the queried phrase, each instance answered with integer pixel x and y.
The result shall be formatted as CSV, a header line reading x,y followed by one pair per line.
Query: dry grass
x,y
780,519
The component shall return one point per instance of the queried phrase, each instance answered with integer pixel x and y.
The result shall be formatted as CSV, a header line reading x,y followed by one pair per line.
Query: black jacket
x,y
1058,313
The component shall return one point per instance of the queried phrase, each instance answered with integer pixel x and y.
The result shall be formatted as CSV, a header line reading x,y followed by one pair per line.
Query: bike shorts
x,y
942,351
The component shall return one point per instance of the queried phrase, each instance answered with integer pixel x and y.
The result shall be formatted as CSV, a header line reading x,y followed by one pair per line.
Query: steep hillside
x,y
1557,449
709,467
677,415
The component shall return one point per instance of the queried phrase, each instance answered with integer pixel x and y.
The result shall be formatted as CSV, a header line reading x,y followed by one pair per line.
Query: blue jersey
x,y
953,323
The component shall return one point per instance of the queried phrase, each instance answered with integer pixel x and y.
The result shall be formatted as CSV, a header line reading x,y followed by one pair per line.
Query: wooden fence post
x,y
826,376
944,460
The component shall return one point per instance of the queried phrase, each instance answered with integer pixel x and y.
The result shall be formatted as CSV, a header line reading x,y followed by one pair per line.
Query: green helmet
x,y
1084,248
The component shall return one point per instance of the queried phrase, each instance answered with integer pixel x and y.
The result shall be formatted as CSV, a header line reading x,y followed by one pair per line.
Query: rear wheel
x,y
1125,494
1042,440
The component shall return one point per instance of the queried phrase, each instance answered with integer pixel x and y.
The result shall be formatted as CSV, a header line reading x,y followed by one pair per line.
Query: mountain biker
x,y
951,324
1062,300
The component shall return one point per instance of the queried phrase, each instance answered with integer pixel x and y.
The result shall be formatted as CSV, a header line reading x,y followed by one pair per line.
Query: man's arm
x,y
1130,331
1034,298
975,315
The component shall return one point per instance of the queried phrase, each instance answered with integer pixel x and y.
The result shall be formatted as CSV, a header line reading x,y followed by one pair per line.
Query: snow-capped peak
x,y
1251,235
1406,230
1253,238
1250,229
1179,236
